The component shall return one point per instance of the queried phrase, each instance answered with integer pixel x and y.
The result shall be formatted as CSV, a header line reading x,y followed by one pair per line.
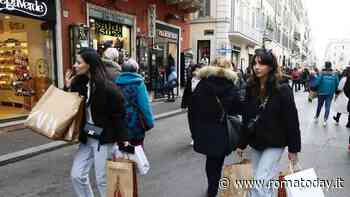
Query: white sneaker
x,y
324,123
192,143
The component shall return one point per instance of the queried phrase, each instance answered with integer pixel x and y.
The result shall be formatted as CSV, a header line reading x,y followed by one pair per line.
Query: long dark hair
x,y
346,72
97,68
264,57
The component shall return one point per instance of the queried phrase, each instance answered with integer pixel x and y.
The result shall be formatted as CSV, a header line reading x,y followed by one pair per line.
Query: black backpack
x,y
347,88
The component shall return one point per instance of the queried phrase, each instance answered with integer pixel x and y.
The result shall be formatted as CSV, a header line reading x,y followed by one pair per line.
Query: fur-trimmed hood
x,y
214,71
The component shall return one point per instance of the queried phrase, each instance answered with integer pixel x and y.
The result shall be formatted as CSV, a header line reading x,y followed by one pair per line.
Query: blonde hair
x,y
222,62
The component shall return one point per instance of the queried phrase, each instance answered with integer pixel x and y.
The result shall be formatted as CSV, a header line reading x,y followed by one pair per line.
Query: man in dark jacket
x,y
215,92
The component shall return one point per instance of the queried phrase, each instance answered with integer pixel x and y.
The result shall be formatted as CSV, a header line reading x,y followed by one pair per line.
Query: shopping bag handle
x,y
292,165
243,160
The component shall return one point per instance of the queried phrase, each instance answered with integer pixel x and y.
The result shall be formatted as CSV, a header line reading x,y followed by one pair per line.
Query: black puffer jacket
x,y
107,109
279,123
209,134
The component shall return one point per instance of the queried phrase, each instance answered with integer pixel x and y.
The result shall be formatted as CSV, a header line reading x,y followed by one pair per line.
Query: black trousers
x,y
213,169
296,85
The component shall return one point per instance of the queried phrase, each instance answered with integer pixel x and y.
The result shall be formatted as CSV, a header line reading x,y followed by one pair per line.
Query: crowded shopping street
x,y
174,98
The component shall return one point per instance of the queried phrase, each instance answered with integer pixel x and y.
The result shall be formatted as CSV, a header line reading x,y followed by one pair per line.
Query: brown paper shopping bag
x,y
233,173
282,189
121,178
54,113
73,131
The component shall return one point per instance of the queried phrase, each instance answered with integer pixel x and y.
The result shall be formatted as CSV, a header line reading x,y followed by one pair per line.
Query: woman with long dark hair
x,y
270,120
103,123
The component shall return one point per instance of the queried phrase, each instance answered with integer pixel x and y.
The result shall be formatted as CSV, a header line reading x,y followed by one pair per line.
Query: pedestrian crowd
x,y
227,111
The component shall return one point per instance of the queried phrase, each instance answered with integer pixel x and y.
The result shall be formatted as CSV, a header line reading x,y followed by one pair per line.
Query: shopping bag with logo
x,y
282,187
232,183
137,154
296,189
54,113
121,178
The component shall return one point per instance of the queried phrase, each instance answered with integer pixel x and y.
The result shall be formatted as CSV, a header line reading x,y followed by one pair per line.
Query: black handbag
x,y
233,126
92,130
251,125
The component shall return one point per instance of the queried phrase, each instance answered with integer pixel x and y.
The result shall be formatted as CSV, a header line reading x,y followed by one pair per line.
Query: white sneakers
x,y
324,123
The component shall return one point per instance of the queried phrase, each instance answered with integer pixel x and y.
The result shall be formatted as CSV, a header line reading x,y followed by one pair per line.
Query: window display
x,y
26,59
107,31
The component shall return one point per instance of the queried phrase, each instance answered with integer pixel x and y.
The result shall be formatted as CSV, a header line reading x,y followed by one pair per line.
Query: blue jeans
x,y
265,168
321,100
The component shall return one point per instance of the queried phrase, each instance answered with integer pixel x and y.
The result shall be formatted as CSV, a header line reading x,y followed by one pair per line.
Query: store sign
x,y
109,28
152,16
30,7
107,15
167,34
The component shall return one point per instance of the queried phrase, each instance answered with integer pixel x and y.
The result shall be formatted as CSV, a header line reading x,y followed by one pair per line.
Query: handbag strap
x,y
136,107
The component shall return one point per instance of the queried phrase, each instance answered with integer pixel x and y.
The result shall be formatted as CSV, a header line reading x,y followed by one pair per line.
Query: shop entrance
x,y
26,64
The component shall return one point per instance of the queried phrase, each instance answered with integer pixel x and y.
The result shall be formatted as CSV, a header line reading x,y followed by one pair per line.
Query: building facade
x,y
39,42
338,53
287,31
210,29
234,28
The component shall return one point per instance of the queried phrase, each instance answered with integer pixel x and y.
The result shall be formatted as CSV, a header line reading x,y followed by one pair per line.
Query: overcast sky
x,y
329,19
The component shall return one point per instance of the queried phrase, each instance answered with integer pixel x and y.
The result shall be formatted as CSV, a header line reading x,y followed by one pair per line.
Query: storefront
x,y
111,26
166,54
27,54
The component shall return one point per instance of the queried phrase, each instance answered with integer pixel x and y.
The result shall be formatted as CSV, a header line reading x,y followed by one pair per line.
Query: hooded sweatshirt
x,y
134,90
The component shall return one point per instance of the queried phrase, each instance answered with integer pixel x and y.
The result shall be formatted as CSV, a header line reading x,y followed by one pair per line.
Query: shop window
x,y
26,64
107,31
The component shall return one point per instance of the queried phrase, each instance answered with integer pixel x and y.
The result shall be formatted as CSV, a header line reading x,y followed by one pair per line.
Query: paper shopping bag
x,y
73,131
139,157
282,188
294,188
54,113
232,175
121,178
